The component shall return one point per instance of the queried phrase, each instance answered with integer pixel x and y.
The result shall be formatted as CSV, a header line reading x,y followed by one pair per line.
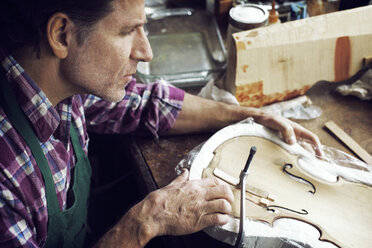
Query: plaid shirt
x,y
145,109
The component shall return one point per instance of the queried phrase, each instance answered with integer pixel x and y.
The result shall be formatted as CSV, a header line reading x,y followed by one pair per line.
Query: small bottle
x,y
274,15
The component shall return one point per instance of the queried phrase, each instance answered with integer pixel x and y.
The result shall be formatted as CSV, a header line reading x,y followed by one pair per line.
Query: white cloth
x,y
362,88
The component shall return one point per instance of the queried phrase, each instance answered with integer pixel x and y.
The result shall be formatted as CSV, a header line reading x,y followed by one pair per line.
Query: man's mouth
x,y
128,78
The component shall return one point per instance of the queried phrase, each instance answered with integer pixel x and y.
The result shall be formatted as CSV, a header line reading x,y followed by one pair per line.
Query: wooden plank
x,y
349,142
283,61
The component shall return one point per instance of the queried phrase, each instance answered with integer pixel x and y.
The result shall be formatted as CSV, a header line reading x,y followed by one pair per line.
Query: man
x,y
53,54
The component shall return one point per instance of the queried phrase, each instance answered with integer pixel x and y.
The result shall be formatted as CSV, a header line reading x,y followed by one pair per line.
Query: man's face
x,y
106,61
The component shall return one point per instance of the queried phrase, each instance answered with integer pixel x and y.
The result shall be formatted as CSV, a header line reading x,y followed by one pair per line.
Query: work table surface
x,y
354,116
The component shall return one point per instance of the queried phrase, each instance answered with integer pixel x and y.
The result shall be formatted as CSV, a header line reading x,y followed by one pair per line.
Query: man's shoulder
x,y
18,175
14,156
21,190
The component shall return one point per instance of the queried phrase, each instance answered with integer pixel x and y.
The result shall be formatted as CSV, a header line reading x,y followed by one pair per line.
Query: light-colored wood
x,y
235,182
279,62
349,142
226,177
341,211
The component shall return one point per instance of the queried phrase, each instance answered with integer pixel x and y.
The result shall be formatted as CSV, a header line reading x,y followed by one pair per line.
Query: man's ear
x,y
59,34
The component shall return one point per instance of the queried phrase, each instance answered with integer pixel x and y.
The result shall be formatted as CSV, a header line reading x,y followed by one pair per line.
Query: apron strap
x,y
20,122
79,152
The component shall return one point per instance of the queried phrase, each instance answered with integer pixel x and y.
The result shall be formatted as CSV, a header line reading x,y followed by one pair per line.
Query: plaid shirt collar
x,y
44,118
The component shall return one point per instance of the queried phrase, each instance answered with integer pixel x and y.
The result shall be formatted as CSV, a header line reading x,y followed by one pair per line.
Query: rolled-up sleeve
x,y
145,109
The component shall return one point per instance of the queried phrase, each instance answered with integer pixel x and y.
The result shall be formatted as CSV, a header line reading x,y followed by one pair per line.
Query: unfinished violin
x,y
278,187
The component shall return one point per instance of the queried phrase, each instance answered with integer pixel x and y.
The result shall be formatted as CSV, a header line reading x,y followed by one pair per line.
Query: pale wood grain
x,y
289,58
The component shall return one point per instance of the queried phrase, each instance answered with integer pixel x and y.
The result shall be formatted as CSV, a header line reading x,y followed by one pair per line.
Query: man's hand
x,y
291,132
185,207
182,207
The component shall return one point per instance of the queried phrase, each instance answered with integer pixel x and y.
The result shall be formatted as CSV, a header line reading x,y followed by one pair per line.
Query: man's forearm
x,y
199,114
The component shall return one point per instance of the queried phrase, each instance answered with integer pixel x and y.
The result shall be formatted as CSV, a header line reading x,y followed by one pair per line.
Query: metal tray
x,y
188,50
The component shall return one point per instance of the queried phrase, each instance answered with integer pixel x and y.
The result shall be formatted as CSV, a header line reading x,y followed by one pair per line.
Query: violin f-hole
x,y
302,180
270,208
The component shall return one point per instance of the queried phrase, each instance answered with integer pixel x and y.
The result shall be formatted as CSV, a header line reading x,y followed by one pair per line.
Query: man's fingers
x,y
292,131
287,130
215,219
182,178
289,135
218,206
210,182
221,190
282,125
216,188
310,138
190,205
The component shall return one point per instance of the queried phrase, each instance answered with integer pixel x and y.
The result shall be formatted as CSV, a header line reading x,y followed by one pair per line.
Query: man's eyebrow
x,y
135,25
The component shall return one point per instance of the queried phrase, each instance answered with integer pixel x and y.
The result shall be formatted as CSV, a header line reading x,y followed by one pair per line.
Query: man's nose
x,y
141,49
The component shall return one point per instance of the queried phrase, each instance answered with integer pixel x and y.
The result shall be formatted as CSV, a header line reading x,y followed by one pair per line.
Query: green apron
x,y
65,228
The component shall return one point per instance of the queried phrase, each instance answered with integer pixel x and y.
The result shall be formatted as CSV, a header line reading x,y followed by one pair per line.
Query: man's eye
x,y
127,32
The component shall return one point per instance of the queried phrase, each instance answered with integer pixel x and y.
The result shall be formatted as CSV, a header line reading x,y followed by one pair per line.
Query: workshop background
x,y
114,151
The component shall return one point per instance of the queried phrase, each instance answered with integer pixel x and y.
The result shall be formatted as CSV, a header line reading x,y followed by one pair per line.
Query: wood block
x,y
226,177
280,62
265,202
349,142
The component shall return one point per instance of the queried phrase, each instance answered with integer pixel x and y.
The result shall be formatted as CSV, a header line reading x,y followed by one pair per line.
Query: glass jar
x,y
244,17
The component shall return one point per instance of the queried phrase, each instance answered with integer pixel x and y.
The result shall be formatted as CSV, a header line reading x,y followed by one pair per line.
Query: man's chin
x,y
115,97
